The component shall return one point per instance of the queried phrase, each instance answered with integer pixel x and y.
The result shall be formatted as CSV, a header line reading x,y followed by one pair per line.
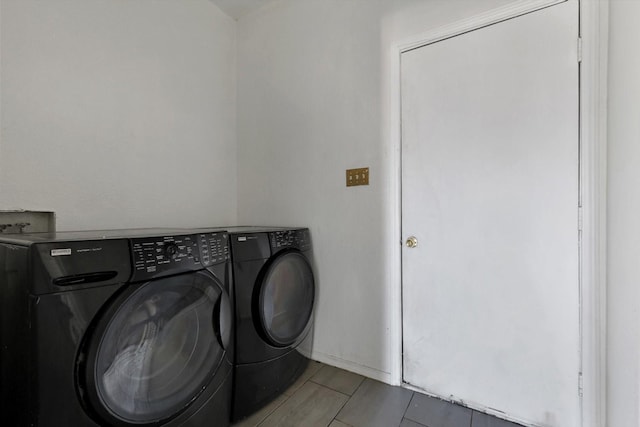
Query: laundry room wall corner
x,y
314,100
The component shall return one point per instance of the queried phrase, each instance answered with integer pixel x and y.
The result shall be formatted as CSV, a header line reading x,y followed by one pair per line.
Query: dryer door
x,y
285,298
156,348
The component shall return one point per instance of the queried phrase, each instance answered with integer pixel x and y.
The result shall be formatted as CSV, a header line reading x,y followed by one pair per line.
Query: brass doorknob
x,y
412,242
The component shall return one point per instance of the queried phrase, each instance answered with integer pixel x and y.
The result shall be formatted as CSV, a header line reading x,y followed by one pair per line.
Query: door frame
x,y
592,53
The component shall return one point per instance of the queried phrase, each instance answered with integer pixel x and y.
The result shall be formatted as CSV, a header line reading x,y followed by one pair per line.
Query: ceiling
x,y
239,8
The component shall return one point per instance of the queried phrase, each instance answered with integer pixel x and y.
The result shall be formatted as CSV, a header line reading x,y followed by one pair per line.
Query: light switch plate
x,y
358,176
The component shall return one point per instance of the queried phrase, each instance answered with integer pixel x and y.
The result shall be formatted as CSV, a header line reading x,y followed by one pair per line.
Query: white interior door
x,y
490,192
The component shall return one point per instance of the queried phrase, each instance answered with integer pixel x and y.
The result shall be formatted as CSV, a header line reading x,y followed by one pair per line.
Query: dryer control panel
x,y
162,256
214,248
298,239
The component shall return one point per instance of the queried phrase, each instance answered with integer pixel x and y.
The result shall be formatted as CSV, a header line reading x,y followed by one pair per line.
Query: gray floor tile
x,y
311,370
375,404
484,420
263,413
408,423
312,405
434,412
336,423
338,379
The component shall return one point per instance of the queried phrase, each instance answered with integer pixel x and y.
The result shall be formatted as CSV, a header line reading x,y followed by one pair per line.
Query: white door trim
x,y
594,19
593,148
512,10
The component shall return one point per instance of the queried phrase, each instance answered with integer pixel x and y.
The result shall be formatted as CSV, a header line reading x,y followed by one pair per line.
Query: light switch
x,y
358,176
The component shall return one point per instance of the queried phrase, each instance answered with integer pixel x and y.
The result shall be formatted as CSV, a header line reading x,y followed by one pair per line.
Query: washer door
x,y
157,348
285,299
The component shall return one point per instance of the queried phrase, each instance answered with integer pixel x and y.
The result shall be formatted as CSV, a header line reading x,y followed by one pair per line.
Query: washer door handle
x,y
222,320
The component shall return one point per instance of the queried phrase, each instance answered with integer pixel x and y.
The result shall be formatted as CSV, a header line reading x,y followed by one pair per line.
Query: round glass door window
x,y
161,348
286,299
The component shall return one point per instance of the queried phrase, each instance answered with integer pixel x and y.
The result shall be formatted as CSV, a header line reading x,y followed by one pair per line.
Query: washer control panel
x,y
162,256
297,239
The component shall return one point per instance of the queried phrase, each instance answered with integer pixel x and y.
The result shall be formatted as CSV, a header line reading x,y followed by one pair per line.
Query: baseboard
x,y
354,367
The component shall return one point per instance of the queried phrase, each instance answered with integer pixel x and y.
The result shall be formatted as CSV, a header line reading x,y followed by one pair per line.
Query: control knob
x,y
171,249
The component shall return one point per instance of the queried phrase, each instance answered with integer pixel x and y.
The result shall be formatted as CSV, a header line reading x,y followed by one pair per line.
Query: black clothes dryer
x,y
275,294
116,328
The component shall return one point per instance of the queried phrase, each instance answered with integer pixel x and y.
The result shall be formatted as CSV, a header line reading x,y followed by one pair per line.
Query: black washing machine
x,y
116,328
275,294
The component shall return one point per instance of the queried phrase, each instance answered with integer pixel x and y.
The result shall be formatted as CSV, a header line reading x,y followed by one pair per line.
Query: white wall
x,y
118,113
623,215
313,100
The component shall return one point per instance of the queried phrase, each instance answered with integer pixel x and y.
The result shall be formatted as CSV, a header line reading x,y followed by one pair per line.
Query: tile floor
x,y
325,396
